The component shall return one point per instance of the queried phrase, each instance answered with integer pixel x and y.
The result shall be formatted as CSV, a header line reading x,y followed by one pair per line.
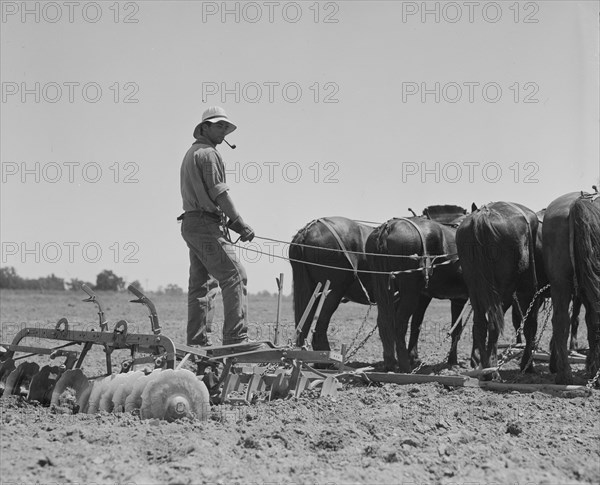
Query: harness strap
x,y
426,262
345,251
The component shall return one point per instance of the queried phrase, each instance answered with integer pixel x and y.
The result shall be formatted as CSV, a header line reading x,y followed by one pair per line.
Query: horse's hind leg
x,y
516,320
415,328
592,320
480,328
319,338
385,324
406,307
573,344
456,307
529,329
559,361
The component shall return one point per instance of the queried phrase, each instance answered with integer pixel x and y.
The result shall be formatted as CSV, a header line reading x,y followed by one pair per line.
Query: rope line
x,y
412,256
347,269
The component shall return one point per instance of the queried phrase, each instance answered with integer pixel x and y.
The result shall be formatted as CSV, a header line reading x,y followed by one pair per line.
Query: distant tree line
x,y
105,281
10,279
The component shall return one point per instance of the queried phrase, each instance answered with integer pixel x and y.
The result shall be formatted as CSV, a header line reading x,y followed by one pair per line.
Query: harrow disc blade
x,y
5,369
134,400
175,395
72,385
100,386
125,388
106,399
18,381
42,384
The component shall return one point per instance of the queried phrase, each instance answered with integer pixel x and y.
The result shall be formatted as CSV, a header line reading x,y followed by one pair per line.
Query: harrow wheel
x,y
73,384
175,394
134,399
100,387
19,380
5,369
124,389
106,399
43,383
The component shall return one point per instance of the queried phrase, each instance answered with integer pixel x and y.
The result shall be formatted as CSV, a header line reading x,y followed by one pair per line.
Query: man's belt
x,y
211,215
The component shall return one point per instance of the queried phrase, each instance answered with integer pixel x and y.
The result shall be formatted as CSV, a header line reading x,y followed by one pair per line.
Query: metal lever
x,y
94,299
144,300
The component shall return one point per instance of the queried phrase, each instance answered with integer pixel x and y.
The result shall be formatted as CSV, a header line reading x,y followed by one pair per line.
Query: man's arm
x,y
227,206
236,223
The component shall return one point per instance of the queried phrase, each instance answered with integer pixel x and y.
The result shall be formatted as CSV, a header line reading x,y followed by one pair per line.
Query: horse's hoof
x,y
530,369
564,378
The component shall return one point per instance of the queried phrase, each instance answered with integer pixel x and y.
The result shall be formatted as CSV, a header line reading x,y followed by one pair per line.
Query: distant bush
x,y
173,290
11,280
108,281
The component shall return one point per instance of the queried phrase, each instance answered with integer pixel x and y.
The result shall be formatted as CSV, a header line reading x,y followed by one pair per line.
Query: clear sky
x,y
352,108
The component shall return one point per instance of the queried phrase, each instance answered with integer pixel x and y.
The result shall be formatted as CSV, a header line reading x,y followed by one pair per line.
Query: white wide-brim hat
x,y
215,114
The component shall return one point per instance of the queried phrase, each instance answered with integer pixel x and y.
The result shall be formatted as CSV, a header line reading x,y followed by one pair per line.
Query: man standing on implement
x,y
213,261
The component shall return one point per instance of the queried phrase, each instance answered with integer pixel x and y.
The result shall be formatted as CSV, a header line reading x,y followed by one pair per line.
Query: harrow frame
x,y
292,374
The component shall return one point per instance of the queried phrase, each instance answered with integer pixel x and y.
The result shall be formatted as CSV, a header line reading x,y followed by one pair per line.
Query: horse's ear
x,y
473,207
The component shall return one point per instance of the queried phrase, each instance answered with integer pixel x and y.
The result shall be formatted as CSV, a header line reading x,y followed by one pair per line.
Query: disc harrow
x,y
152,381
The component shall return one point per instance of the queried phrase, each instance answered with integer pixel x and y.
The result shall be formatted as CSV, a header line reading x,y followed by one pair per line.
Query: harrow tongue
x,y
168,392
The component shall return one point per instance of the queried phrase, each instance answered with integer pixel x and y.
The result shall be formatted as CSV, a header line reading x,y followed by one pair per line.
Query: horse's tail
x,y
584,219
303,285
383,284
480,257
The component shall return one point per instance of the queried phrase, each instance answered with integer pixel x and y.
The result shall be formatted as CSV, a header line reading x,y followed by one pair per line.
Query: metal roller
x,y
106,399
5,369
19,380
42,384
134,400
125,388
100,385
72,382
175,394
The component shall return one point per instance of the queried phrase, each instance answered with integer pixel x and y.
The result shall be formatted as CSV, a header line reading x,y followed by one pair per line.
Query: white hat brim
x,y
216,119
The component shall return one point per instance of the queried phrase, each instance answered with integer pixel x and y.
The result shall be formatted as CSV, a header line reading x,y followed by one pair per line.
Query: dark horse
x,y
571,247
315,252
576,309
417,260
497,249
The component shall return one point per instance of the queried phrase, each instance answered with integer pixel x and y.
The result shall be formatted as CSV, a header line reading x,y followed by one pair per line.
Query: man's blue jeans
x,y
213,262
